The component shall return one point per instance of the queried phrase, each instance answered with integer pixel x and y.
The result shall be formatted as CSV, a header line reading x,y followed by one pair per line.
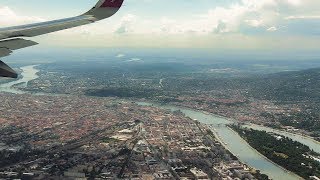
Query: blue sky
x,y
211,24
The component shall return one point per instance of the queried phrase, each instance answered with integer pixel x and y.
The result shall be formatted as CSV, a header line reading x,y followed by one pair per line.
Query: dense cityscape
x,y
78,137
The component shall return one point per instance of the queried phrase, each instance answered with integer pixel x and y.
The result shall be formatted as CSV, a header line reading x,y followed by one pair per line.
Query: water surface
x,y
29,73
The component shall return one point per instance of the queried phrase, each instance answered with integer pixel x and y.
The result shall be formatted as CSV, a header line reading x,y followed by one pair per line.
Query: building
x,y
199,174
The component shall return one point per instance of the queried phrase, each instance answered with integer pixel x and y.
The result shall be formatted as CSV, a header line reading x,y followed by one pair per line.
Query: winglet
x,y
105,9
112,3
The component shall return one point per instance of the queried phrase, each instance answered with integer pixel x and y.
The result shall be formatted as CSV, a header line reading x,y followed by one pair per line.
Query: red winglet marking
x,y
112,3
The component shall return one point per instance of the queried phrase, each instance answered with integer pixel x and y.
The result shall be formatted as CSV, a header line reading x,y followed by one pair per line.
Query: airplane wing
x,y
11,38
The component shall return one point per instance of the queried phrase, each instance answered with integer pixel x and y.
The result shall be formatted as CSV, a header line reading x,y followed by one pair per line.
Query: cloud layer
x,y
258,23
244,17
9,18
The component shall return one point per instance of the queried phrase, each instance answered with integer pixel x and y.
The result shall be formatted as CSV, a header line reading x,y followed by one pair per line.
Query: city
x,y
78,137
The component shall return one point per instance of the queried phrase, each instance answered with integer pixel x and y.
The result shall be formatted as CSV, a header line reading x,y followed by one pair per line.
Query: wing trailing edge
x,y
17,43
6,71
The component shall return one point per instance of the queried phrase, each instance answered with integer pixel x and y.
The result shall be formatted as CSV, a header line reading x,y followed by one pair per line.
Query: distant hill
x,y
288,86
301,88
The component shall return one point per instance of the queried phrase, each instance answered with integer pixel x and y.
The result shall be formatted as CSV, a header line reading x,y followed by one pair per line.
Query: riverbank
x,y
306,140
244,141
285,152
28,74
283,131
227,148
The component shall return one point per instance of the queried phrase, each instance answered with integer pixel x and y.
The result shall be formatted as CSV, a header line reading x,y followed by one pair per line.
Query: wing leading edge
x,y
10,37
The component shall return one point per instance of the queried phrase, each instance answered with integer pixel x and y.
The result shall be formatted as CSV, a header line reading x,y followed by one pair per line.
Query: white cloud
x,y
272,29
302,17
242,17
254,22
294,2
9,18
126,24
120,55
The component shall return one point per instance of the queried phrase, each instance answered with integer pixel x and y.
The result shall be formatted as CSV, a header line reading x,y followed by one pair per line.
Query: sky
x,y
219,25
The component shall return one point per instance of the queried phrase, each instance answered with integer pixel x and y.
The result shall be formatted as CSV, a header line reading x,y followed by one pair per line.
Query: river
x,y
233,142
230,139
28,73
313,144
